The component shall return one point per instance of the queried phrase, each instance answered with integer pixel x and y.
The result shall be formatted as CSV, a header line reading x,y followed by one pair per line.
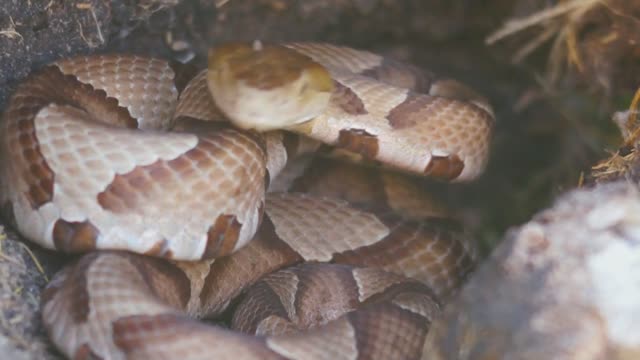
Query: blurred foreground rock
x,y
563,286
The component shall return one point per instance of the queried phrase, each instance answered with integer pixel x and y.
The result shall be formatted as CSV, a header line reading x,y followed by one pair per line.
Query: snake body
x,y
87,164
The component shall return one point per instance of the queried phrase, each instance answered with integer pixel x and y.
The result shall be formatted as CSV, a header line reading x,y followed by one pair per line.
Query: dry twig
x,y
561,23
11,32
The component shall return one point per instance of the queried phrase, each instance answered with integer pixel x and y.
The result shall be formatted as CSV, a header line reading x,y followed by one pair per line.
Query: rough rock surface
x,y
23,277
563,286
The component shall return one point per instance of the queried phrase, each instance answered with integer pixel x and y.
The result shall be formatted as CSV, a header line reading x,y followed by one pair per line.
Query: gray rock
x,y
563,286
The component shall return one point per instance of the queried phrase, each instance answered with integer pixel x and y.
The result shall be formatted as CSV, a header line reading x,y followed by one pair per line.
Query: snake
x,y
168,181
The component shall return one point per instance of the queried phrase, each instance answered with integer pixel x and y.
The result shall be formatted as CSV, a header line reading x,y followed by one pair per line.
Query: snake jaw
x,y
269,88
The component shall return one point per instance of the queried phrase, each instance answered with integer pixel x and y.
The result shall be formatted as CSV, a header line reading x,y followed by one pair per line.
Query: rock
x,y
21,281
563,286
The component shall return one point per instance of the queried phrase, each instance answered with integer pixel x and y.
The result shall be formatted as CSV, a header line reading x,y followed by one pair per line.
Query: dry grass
x,y
562,25
625,159
629,127
10,31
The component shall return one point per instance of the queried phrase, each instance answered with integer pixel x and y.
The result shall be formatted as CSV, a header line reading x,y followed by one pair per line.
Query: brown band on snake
x,y
454,89
378,342
28,100
147,91
133,190
296,299
160,249
75,282
374,331
47,87
427,246
359,141
266,253
126,329
124,192
222,236
180,164
50,86
36,170
401,75
361,187
270,306
394,287
444,167
68,90
307,294
135,336
372,189
348,100
52,288
86,353
73,236
410,111
159,274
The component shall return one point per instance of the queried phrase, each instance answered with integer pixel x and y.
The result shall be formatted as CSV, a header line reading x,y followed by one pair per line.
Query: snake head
x,y
267,87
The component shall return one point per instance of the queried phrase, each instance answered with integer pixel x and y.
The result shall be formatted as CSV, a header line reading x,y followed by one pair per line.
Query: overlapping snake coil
x,y
120,157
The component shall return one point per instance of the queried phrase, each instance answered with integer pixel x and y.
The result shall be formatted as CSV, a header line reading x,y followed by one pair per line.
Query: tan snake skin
x,y
87,163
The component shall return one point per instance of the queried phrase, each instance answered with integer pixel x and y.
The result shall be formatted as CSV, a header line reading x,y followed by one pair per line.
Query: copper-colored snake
x,y
77,175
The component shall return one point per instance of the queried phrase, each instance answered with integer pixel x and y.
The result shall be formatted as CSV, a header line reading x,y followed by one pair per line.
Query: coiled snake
x,y
87,163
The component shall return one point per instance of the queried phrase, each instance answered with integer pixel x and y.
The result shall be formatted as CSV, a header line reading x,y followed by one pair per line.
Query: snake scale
x,y
164,179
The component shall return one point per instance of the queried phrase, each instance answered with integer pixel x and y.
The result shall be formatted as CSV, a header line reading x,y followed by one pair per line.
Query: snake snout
x,y
267,88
